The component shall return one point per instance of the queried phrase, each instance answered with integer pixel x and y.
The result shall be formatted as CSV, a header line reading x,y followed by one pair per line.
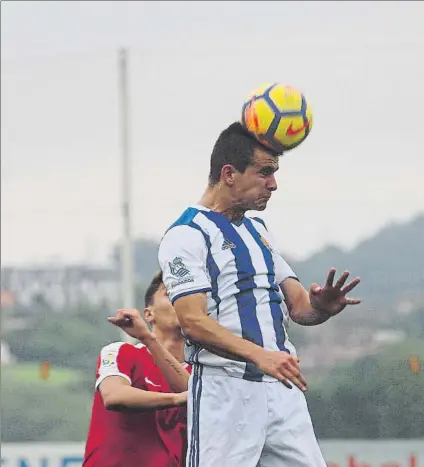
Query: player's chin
x,y
261,204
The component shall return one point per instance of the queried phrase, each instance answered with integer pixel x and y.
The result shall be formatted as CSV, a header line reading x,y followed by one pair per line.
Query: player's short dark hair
x,y
234,146
154,286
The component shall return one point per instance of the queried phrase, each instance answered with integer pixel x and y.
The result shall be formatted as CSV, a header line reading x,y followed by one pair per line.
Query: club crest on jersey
x,y
178,268
266,243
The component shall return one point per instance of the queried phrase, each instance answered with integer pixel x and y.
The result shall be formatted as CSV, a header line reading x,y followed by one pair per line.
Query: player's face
x,y
163,313
254,187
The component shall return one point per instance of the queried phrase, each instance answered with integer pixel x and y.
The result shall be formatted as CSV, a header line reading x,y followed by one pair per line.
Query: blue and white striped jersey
x,y
240,269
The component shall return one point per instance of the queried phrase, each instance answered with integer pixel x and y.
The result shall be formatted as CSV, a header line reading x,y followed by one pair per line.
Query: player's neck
x,y
173,342
217,200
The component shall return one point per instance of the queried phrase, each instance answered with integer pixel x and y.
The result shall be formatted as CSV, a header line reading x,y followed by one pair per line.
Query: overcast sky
x,y
360,64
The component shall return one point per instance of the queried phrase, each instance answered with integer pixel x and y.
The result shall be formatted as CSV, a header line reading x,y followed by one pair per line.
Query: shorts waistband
x,y
218,371
228,373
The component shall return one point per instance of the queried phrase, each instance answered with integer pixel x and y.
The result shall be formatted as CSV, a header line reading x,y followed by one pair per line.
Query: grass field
x,y
30,373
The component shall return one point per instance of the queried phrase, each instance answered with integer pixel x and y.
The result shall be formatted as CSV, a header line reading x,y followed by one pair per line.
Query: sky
x,y
191,65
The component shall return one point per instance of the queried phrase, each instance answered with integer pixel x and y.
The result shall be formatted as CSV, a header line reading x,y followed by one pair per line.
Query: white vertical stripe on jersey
x,y
261,293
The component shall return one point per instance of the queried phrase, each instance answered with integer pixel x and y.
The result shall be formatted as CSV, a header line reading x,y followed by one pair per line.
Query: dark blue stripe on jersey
x,y
211,265
193,408
190,292
274,298
186,217
246,301
261,221
194,450
197,425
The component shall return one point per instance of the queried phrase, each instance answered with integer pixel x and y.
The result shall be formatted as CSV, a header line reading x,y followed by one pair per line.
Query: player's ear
x,y
227,174
148,315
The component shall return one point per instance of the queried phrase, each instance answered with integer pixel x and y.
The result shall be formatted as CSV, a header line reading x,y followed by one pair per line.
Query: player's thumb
x,y
315,288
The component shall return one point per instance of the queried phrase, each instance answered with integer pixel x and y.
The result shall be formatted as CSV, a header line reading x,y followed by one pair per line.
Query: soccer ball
x,y
278,116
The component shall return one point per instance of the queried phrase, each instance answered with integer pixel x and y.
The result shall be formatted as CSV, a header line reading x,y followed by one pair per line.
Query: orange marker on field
x,y
415,364
45,370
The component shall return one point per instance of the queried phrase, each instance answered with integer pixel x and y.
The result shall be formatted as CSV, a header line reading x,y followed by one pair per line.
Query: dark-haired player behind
x,y
139,409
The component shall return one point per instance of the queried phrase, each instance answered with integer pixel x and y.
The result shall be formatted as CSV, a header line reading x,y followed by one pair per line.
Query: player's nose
x,y
272,183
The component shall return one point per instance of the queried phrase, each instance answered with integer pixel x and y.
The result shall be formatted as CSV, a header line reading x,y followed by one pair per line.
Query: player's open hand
x,y
331,299
284,367
131,322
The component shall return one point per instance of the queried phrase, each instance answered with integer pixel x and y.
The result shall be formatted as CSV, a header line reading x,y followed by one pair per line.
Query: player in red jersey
x,y
139,413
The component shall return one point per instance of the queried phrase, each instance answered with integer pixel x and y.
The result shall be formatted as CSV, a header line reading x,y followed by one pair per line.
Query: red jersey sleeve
x,y
115,359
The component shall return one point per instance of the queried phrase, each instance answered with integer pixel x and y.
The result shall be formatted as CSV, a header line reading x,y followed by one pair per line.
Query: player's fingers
x,y
128,310
351,285
353,301
294,365
128,313
342,279
330,277
297,378
302,386
303,381
289,370
113,320
120,314
120,322
295,370
285,381
288,364
298,381
315,288
289,367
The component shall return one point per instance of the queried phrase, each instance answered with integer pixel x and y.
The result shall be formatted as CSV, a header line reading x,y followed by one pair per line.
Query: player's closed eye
x,y
267,171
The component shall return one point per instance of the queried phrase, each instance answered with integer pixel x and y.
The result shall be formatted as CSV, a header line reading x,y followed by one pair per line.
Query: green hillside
x,y
390,264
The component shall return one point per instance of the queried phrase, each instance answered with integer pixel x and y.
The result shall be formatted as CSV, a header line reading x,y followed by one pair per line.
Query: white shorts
x,y
237,423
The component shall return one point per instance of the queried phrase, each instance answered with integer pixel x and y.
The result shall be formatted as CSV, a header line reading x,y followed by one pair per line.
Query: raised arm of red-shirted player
x,y
134,325
114,383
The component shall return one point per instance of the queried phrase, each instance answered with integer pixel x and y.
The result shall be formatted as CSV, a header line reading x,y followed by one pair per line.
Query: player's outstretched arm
x,y
134,325
118,395
198,327
321,303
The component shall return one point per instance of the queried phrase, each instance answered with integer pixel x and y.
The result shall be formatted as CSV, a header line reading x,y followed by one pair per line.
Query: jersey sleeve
x,y
183,260
115,360
282,270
